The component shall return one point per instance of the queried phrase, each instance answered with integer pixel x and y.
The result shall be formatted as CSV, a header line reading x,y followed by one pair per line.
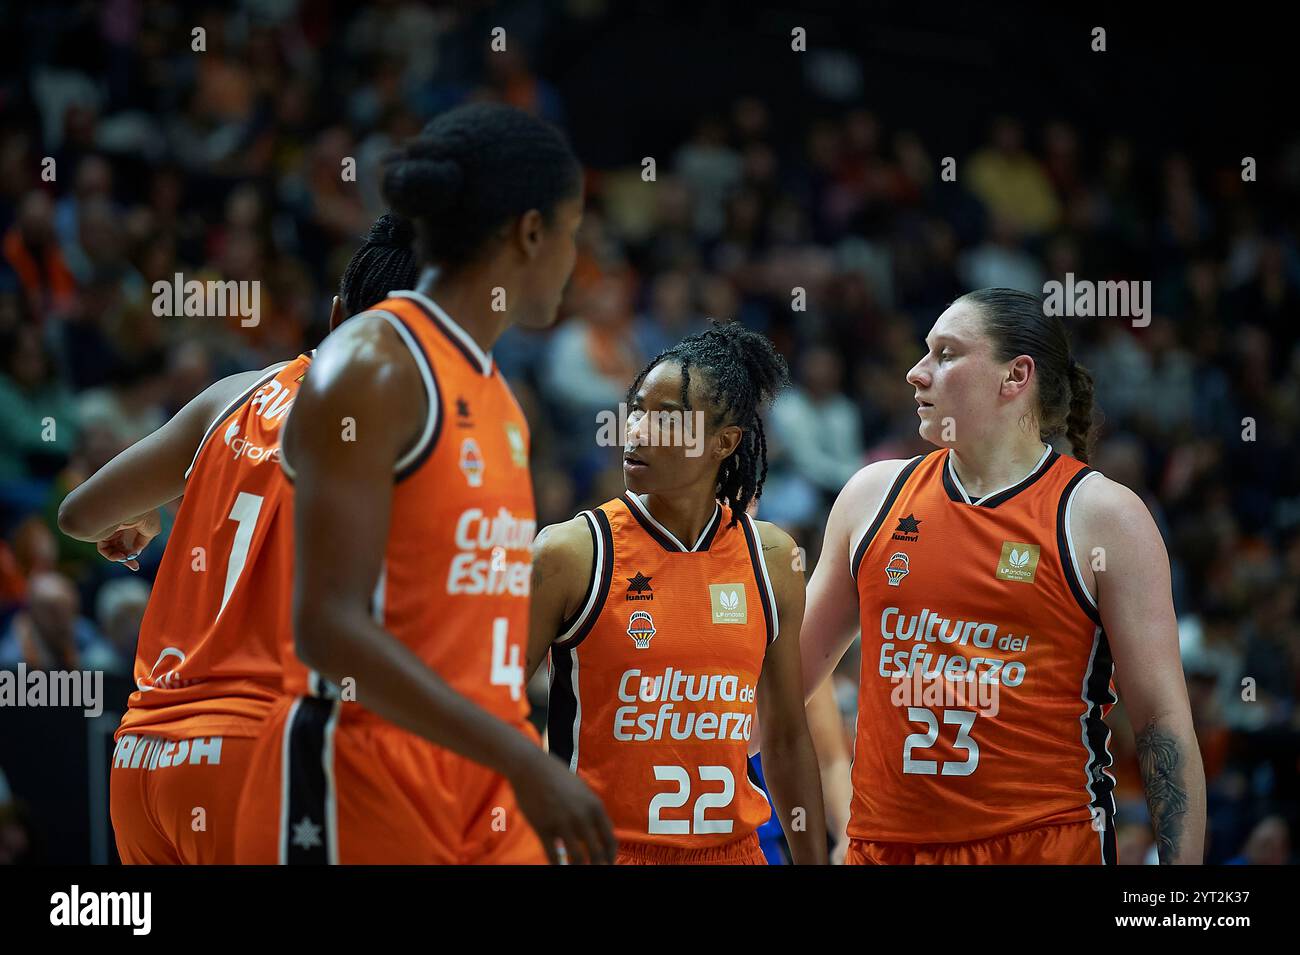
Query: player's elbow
x,y
318,634
73,518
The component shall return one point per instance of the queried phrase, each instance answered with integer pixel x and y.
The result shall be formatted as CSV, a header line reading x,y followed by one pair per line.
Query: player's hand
x,y
124,544
838,851
566,815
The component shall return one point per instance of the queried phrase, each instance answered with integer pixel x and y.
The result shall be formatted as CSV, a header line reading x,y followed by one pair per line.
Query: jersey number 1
x,y
244,514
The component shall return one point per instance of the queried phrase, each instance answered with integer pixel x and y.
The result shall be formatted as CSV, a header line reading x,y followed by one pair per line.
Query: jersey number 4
x,y
963,719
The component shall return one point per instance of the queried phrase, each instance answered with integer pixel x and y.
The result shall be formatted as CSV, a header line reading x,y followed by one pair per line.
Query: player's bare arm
x,y
562,555
832,617
835,762
365,381
1114,530
117,506
789,759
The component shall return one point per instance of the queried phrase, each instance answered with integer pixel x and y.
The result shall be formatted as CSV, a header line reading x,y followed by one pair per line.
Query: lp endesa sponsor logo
x,y
482,567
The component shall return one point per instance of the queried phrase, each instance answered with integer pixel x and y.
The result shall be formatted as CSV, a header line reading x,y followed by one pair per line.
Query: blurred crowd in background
x,y
226,164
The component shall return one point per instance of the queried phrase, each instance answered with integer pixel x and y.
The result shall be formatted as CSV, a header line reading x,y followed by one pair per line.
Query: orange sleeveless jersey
x,y
985,670
207,662
454,582
653,680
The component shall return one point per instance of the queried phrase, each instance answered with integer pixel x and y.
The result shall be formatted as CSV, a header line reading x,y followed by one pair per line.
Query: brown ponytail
x,y
1079,424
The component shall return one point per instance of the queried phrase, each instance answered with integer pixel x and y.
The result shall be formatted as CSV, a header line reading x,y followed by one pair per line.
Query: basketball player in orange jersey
x,y
207,667
672,621
414,521
998,586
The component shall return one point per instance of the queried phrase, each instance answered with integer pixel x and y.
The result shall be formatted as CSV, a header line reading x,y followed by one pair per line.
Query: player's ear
x,y
336,313
529,230
728,439
1017,375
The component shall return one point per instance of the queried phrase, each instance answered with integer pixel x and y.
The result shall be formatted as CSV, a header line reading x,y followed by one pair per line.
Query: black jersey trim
x,y
760,574
894,490
606,578
483,367
1066,555
1001,497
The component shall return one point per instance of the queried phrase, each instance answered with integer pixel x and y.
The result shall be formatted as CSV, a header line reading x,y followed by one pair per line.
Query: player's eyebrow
x,y
667,403
943,340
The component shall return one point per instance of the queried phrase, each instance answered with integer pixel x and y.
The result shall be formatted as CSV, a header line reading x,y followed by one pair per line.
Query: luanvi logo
x,y
638,587
908,529
133,909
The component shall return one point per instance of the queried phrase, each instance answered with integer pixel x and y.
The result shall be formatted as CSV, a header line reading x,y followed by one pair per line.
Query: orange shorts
x,y
331,783
1073,843
173,802
744,851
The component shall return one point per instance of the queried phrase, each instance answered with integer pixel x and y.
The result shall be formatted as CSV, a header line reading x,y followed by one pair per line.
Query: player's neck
x,y
684,515
996,464
467,297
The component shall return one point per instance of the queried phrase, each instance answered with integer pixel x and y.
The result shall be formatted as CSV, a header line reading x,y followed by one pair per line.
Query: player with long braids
x,y
672,622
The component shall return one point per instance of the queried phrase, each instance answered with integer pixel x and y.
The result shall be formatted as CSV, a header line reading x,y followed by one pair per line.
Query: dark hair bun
x,y
423,187
391,231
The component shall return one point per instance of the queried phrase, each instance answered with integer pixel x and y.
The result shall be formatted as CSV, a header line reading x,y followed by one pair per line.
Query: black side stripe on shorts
x,y
306,823
895,489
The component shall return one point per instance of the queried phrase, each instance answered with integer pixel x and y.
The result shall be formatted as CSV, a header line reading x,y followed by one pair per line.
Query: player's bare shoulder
x,y
562,555
364,351
1105,513
783,556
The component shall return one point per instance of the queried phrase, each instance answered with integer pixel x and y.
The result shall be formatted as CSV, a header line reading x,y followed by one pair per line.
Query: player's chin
x,y
638,478
541,317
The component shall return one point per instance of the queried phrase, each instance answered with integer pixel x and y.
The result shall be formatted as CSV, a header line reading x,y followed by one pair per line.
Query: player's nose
x,y
918,375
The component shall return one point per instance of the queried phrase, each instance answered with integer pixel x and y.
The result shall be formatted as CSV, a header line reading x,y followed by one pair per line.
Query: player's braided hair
x,y
745,371
472,169
385,262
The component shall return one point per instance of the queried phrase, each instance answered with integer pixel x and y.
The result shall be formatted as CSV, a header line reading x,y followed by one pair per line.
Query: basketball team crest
x,y
471,462
897,568
518,452
641,628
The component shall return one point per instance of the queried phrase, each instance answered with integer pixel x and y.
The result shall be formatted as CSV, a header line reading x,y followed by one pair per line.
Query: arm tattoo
x,y
1162,771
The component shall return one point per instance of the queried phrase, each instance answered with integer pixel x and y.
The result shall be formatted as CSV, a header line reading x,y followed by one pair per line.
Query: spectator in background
x,y
31,250
16,844
819,427
711,170
38,415
671,316
51,634
119,608
1269,844
593,356
1011,183
130,405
